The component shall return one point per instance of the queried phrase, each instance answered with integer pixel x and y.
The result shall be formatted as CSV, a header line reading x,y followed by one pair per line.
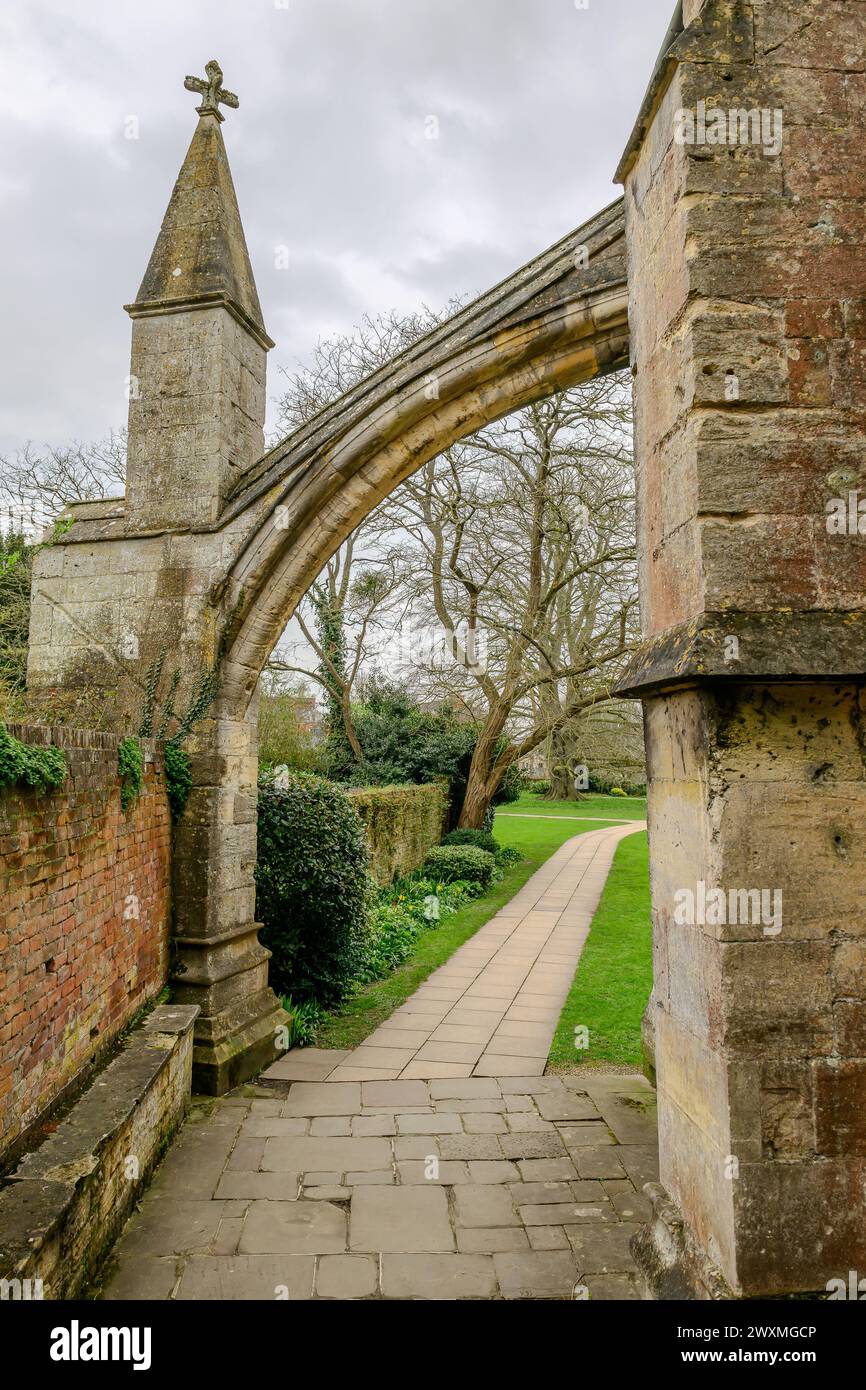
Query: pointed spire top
x,y
200,258
211,91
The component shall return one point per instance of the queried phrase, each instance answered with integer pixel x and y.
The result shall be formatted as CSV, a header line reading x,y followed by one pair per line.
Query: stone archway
x,y
560,320
746,290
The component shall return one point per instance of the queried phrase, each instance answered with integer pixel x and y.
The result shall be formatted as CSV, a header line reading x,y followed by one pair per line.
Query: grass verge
x,y
614,975
609,807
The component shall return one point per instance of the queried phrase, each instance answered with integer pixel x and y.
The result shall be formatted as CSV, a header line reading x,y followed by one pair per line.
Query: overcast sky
x,y
330,153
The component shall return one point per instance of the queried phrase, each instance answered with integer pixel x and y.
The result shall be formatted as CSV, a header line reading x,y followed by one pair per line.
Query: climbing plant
x,y
176,760
178,778
130,765
43,769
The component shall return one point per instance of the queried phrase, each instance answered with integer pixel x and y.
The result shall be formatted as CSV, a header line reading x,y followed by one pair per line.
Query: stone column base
x,y
670,1265
235,1033
248,1046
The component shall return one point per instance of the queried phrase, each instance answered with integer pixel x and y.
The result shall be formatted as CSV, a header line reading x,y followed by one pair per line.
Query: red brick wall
x,y
84,919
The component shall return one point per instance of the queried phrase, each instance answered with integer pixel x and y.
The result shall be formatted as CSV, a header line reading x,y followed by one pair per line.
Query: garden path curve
x,y
493,1007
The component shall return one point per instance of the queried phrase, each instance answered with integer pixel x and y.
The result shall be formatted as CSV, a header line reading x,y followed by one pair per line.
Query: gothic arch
x,y
559,320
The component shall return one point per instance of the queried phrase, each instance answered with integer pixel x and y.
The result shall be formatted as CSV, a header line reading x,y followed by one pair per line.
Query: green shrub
x,y
507,854
481,839
178,778
617,791
43,769
130,766
304,1021
512,783
539,788
313,887
401,742
401,914
461,863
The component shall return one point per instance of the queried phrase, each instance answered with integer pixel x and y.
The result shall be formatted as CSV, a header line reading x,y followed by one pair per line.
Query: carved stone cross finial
x,y
211,90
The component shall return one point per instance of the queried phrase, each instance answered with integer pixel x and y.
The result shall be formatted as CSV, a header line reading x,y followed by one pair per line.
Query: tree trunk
x,y
476,803
482,784
562,786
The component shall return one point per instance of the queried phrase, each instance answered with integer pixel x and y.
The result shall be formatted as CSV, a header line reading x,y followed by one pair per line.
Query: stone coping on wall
x,y
67,736
783,645
65,1203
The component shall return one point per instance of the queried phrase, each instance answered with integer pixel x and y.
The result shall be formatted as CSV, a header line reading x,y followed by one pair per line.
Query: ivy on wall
x,y
402,823
130,765
30,765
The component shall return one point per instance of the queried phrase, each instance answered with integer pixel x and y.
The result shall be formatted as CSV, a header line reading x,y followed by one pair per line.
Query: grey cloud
x,y
534,99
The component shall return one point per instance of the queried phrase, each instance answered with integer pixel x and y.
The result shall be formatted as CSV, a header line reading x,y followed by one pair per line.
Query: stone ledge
x,y
65,1203
783,645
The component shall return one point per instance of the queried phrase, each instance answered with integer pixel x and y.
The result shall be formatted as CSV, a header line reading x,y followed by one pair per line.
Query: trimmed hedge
x,y
460,863
313,887
402,824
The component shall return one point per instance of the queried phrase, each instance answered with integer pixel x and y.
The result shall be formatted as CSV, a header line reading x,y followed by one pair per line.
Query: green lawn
x,y
614,976
609,807
360,1015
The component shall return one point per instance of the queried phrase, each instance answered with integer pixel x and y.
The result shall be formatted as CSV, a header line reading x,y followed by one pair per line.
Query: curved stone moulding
x,y
554,323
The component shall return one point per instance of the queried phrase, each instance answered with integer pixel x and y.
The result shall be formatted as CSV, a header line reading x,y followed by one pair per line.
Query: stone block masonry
x,y
747,278
85,921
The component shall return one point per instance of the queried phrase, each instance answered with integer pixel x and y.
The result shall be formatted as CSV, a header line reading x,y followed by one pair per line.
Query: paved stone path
x,y
493,1007
420,1174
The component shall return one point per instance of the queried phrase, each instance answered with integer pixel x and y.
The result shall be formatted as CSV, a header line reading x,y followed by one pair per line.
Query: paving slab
x,y
133,1277
237,1277
308,1155
347,1276
603,1249
477,1204
468,1088
323,1098
166,1227
548,1238
293,1228
412,1171
394,1093
304,1064
274,1187
438,1277
537,1274
400,1220
490,1240
349,1073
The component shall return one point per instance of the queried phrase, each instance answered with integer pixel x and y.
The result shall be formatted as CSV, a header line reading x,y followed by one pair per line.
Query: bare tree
x,y
36,483
524,537
516,573
344,618
342,362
